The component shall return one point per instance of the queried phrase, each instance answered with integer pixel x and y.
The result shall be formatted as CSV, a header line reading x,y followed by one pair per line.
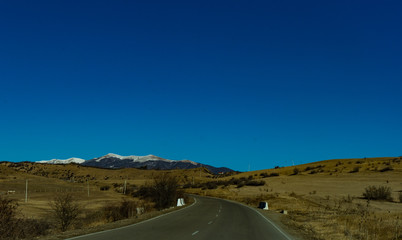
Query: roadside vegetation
x,y
66,213
338,199
13,226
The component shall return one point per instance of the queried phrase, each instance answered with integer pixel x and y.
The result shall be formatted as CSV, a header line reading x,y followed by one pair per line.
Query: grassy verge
x,y
319,218
113,225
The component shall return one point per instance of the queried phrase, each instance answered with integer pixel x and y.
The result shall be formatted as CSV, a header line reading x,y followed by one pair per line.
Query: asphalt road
x,y
208,218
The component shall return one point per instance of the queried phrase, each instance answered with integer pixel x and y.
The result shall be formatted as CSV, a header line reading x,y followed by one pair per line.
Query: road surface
x,y
207,218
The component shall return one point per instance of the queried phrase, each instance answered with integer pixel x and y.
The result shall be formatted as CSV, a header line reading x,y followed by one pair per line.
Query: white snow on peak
x,y
63,161
194,163
134,158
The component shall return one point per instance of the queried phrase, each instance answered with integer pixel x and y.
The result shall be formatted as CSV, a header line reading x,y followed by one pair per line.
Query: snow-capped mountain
x,y
132,158
114,161
63,161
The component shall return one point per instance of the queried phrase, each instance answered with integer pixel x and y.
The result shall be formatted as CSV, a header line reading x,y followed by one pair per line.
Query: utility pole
x,y
26,190
125,187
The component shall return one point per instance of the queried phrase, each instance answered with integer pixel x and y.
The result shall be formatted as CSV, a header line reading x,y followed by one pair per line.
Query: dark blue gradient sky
x,y
226,83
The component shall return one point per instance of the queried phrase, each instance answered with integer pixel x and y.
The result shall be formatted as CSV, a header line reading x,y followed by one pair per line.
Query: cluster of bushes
x,y
265,175
315,169
239,182
12,227
163,192
377,193
119,211
386,169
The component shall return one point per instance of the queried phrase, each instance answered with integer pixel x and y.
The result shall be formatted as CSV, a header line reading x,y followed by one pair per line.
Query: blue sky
x,y
226,83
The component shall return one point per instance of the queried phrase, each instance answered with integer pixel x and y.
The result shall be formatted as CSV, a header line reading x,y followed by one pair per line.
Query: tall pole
x,y
26,190
125,187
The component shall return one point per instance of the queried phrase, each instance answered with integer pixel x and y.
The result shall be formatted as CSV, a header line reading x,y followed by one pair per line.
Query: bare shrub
x,y
274,174
255,183
377,193
104,188
65,209
30,228
128,208
355,170
386,169
8,210
124,209
296,171
163,191
12,227
111,213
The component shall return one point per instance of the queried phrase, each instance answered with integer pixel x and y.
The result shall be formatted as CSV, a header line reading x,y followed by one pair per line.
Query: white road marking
x,y
195,233
210,222
217,215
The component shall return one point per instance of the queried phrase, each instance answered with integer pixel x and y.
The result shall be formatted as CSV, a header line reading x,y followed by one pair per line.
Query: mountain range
x,y
115,161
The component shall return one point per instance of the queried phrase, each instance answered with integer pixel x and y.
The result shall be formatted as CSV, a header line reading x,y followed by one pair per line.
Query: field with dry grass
x,y
98,192
324,200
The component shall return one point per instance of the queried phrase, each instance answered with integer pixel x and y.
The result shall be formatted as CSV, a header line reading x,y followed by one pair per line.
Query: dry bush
x,y
377,193
65,210
163,192
124,209
8,211
355,170
12,227
31,228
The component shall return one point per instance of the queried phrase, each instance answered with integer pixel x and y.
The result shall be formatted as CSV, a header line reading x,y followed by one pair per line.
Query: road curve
x,y
208,218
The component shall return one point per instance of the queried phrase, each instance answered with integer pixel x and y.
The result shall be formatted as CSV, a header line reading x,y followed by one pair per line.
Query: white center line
x,y
195,233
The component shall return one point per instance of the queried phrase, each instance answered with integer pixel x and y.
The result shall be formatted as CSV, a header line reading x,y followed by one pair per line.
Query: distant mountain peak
x,y
63,161
112,160
113,155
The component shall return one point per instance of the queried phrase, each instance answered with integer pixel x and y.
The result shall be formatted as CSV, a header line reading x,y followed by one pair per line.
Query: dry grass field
x,y
98,192
324,200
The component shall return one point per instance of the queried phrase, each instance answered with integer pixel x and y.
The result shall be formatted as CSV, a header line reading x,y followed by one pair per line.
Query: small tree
x,y
8,210
164,191
65,210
